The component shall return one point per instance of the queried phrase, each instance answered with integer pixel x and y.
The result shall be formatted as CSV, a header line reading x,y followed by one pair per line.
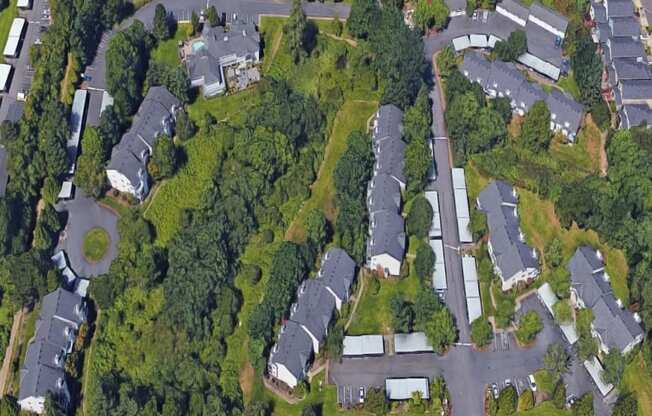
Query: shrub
x,y
267,236
424,262
374,285
419,217
526,400
559,395
529,326
251,273
507,401
481,332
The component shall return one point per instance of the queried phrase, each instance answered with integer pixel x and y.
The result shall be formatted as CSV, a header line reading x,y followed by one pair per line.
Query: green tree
x,y
317,229
586,344
536,128
334,346
417,118
446,62
309,411
419,218
162,29
481,332
376,401
553,253
337,27
426,303
556,360
402,314
212,16
515,46
503,107
363,18
194,22
559,395
614,367
563,311
587,69
418,160
185,126
560,282
525,400
295,31
440,330
584,406
163,162
626,405
52,406
529,326
424,263
507,401
429,14
50,190
90,174
8,406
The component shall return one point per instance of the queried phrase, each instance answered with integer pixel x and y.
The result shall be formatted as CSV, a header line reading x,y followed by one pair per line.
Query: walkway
x,y
5,372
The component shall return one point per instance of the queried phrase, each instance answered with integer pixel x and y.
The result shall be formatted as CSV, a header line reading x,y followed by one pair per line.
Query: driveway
x,y
83,215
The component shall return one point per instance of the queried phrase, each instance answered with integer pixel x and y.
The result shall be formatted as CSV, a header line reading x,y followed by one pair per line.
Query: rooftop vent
x,y
598,254
637,317
226,38
534,253
619,303
60,383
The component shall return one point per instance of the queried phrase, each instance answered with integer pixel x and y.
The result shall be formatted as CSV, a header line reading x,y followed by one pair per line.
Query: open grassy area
x,y
352,116
168,51
373,314
544,409
544,382
6,18
569,85
26,334
96,244
637,379
584,154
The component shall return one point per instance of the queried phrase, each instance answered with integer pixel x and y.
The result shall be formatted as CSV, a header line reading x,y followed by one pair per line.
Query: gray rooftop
x,y
384,194
636,89
387,235
528,94
241,39
337,272
616,325
625,48
624,27
202,65
63,305
41,352
389,119
632,115
504,77
55,331
37,381
476,67
390,158
567,110
512,253
542,44
515,8
313,308
549,16
630,68
599,12
293,349
619,8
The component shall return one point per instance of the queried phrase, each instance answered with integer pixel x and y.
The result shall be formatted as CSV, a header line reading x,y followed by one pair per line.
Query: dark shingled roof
x,y
541,43
624,27
384,193
313,308
55,331
37,381
293,349
515,8
630,68
64,305
599,12
636,89
625,48
241,39
387,235
476,68
632,115
41,352
337,272
528,94
389,123
512,254
505,78
617,327
568,112
619,8
202,65
549,16
390,158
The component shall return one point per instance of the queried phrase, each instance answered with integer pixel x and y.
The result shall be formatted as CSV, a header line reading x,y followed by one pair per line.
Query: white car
x,y
533,383
361,394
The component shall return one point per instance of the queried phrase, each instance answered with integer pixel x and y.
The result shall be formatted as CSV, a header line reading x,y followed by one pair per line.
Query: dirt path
x,y
276,44
358,296
349,41
9,353
604,162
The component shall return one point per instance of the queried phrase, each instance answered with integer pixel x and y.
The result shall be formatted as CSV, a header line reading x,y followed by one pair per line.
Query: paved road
x,y
248,10
23,73
467,371
83,215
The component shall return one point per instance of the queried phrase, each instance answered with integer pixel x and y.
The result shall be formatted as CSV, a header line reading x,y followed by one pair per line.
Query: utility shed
x,y
439,274
66,190
24,4
595,370
76,122
459,182
5,73
471,288
402,388
413,342
461,43
548,297
363,345
435,226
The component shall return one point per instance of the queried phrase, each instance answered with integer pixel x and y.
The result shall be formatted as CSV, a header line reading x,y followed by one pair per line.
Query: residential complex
x,y
127,169
514,261
61,314
310,316
222,56
503,79
386,242
613,325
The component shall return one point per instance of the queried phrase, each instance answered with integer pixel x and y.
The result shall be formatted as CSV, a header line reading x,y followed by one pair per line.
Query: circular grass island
x,y
96,244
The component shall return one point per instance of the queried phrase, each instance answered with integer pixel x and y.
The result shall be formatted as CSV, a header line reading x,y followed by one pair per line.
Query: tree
x,y
584,406
418,160
563,311
481,332
90,174
431,13
185,126
363,18
626,405
418,118
614,367
440,330
161,29
515,46
8,406
525,400
194,22
174,78
507,401
528,327
163,162
424,262
52,406
559,395
556,360
336,26
295,31
536,128
419,218
503,107
560,282
317,229
212,16
426,303
334,341
446,62
586,345
309,411
553,253
110,128
402,314
376,401
587,69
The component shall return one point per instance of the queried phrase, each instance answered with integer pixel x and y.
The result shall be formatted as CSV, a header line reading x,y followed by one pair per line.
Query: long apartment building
x,y
627,76
503,79
301,335
386,242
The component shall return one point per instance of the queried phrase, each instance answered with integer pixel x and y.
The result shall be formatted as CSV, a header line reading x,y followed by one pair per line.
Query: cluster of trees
x,y
506,403
430,13
475,124
528,327
515,46
418,157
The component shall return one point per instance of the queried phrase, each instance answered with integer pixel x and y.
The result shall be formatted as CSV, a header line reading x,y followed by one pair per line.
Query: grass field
x,y
6,18
544,409
96,244
584,155
352,116
168,51
569,85
637,379
544,382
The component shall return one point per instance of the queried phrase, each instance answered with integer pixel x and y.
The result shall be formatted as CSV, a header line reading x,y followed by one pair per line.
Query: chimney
x,y
637,317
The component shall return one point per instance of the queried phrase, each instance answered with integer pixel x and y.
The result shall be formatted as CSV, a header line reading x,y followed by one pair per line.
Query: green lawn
x,y
168,51
569,85
637,379
544,409
7,16
352,116
96,244
373,314
583,156
544,381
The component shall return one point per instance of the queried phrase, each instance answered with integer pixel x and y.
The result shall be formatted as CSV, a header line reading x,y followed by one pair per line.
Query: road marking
x,y
462,344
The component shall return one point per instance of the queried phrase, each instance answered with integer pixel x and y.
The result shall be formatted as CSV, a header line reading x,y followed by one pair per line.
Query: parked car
x,y
570,401
533,383
495,391
361,394
508,382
